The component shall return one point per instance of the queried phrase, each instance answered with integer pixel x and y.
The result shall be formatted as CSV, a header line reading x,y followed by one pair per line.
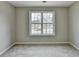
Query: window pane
x,y
36,29
36,17
48,29
47,17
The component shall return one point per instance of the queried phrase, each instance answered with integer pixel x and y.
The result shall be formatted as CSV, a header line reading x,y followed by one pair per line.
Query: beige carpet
x,y
41,51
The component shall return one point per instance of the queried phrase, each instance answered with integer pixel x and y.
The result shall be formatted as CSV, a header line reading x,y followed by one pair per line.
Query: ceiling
x,y
40,3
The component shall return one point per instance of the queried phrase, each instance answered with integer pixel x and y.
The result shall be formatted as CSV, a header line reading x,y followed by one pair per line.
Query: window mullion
x,y
42,23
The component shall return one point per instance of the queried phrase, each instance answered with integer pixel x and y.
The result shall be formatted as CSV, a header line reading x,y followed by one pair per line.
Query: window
x,y
42,23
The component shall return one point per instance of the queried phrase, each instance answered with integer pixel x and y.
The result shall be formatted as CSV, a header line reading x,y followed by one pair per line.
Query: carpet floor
x,y
41,51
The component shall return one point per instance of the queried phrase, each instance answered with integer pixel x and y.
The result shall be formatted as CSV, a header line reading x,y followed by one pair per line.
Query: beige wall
x,y
7,25
22,29
74,24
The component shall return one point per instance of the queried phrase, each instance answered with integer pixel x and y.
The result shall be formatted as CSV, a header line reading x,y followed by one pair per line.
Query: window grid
x,y
42,23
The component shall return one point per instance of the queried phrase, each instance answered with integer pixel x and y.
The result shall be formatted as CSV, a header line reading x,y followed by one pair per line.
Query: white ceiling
x,y
40,3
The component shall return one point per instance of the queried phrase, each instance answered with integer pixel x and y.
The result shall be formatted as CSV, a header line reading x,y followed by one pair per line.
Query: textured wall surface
x,y
22,25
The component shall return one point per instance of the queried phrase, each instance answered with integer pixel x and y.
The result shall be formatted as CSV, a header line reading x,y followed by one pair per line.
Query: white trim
x,y
41,42
74,46
6,49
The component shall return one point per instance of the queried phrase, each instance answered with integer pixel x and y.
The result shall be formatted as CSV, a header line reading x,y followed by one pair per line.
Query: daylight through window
x,y
42,23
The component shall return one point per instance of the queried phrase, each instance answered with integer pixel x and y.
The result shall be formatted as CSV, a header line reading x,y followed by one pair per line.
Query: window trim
x,y
39,23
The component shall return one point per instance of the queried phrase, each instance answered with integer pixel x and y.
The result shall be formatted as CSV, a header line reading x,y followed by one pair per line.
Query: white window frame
x,y
41,23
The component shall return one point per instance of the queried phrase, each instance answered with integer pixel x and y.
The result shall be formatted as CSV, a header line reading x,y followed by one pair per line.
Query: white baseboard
x,y
6,49
41,42
74,46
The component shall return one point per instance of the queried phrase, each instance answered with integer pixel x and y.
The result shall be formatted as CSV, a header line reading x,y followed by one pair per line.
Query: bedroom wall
x,y
22,25
74,24
7,25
